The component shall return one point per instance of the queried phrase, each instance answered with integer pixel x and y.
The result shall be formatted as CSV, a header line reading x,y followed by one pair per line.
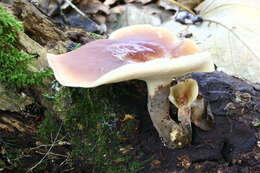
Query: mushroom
x,y
144,52
182,96
191,105
201,115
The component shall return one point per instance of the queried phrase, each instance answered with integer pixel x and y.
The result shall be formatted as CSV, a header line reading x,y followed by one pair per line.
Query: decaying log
x,y
37,25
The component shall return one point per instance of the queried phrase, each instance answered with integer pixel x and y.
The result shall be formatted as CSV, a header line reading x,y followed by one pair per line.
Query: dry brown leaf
x,y
93,6
232,39
100,19
172,4
128,117
110,2
126,149
191,4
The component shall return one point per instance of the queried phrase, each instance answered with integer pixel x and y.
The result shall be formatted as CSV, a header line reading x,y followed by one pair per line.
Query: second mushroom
x,y
144,52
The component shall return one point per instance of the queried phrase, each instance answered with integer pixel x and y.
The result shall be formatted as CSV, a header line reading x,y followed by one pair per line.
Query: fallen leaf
x,y
132,14
126,149
100,19
128,117
173,4
232,37
110,2
93,6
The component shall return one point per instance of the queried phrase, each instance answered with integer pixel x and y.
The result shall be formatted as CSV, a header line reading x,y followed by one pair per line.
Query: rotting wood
x,y
37,25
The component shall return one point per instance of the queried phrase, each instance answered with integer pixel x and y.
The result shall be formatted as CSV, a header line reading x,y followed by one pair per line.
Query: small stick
x,y
46,154
75,7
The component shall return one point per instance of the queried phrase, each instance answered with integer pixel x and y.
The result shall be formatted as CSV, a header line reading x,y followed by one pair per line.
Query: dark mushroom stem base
x,y
173,135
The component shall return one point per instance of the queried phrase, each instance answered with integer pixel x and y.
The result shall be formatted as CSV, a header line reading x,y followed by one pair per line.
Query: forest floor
x,y
34,140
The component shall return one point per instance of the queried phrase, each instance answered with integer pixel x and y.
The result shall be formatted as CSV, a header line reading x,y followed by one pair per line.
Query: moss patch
x,y
94,128
13,62
97,131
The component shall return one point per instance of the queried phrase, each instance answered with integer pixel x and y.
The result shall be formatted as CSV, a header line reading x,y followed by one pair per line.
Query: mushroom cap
x,y
184,93
135,52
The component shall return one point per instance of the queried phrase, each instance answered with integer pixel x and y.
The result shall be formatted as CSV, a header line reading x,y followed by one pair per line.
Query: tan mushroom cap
x,y
184,93
137,52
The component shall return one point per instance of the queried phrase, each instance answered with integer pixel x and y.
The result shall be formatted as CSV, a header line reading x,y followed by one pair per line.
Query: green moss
x,y
95,36
13,62
94,129
89,122
257,124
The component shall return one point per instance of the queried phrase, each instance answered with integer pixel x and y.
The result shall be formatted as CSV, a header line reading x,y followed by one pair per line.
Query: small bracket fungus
x,y
142,52
201,114
182,96
192,107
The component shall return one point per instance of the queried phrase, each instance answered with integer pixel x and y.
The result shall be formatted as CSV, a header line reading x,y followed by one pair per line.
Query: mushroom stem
x,y
172,134
184,116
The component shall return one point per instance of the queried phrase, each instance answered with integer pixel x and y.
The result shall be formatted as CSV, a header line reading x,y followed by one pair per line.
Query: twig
x,y
51,153
46,154
68,170
78,10
75,7
57,143
64,161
